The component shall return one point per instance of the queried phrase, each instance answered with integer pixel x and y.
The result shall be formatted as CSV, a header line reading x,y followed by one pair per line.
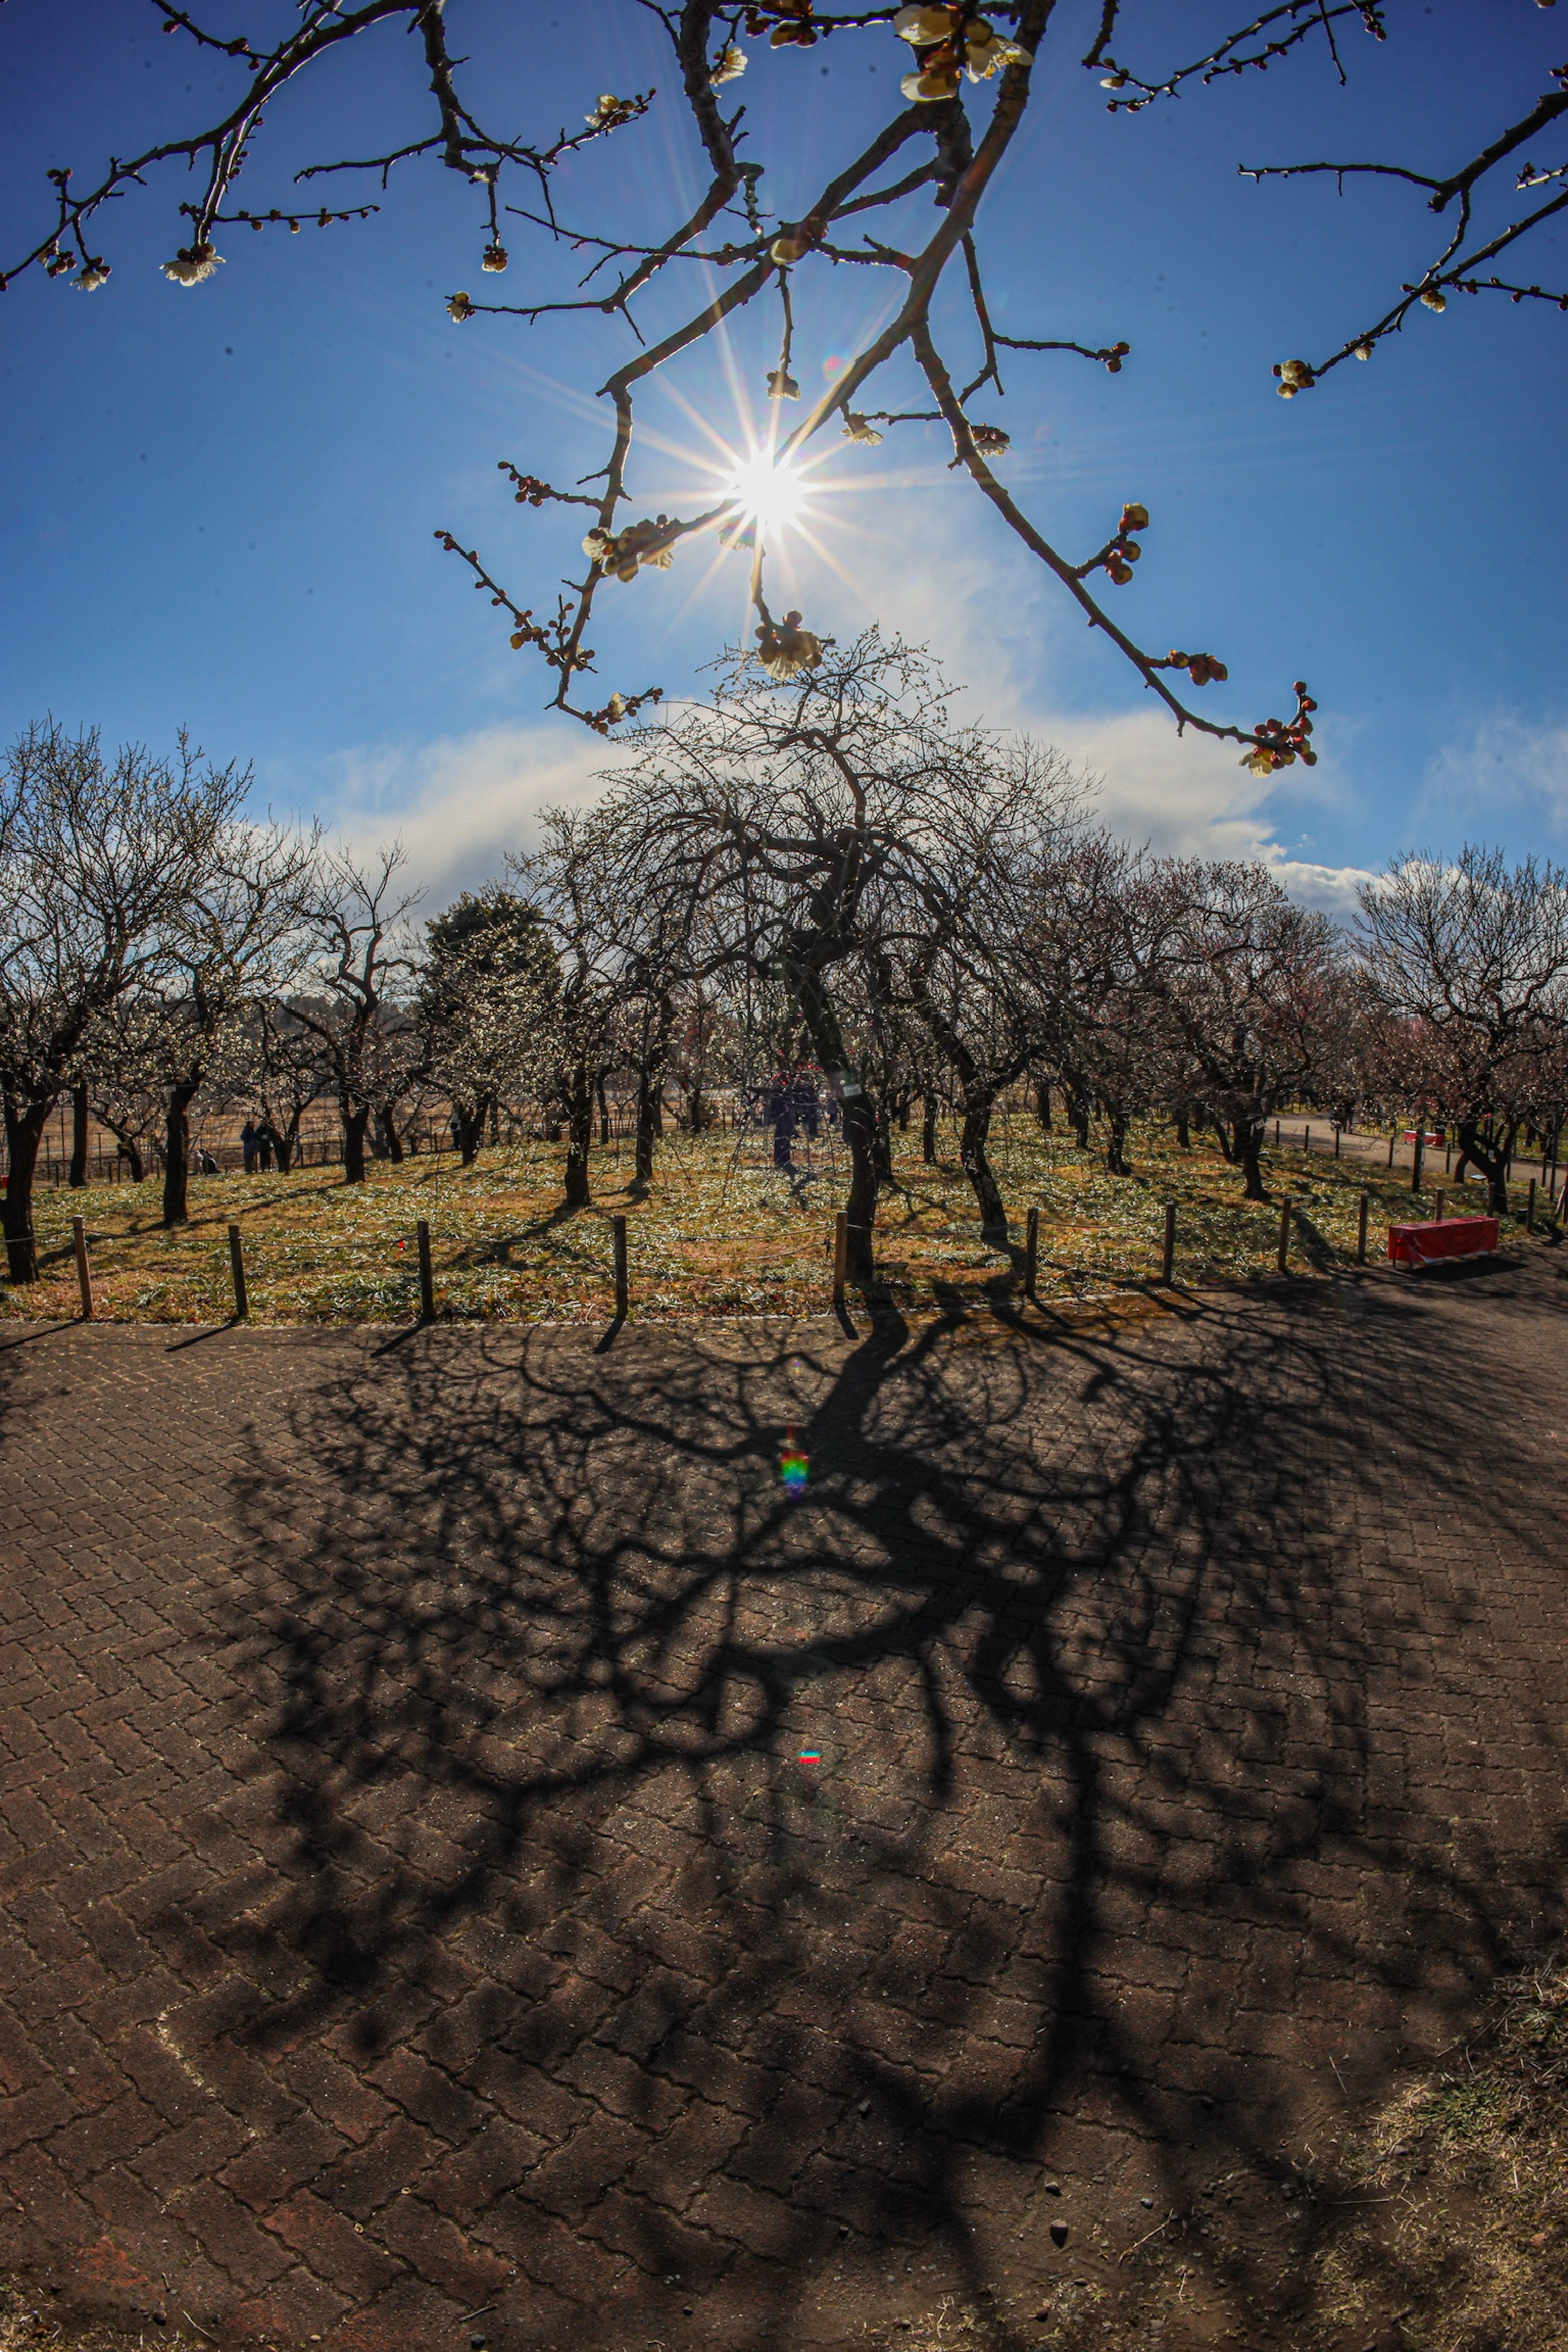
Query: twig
x,y
1144,2240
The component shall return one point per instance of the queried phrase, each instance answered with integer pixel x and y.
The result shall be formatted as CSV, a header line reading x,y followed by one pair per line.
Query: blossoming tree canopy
x,y
967,78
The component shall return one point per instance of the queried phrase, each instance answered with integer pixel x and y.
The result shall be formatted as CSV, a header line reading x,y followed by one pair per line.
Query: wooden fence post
x,y
1336,1140
1442,1204
1168,1256
1284,1208
1031,1251
1529,1209
1391,1148
618,1226
236,1268
1415,1162
1360,1229
426,1280
1307,1139
841,1259
83,1278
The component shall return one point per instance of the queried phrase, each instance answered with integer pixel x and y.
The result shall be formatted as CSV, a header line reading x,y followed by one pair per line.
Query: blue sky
x,y
220,502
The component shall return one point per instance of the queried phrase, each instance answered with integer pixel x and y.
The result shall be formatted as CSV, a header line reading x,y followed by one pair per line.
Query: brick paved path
x,y
468,1839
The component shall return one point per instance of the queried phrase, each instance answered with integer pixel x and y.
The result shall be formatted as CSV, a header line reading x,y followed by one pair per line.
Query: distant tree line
x,y
823,872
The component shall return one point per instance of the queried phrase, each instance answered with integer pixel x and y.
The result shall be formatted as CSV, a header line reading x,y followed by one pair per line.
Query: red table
x,y
1454,1237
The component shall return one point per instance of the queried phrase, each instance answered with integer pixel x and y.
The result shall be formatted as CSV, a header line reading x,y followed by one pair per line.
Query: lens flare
x,y
795,1467
769,491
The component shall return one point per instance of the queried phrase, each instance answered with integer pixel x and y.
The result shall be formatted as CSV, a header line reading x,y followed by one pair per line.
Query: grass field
x,y
721,1232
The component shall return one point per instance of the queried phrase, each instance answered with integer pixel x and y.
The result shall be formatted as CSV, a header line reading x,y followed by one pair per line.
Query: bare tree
x,y
1244,976
832,824
122,1057
359,967
1475,953
955,142
97,865
586,1024
282,1077
236,935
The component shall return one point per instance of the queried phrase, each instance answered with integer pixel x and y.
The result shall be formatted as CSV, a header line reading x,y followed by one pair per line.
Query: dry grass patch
x,y
1470,2251
719,1232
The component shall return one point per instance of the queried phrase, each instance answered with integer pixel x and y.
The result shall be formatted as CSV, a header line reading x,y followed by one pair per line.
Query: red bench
x,y
1454,1237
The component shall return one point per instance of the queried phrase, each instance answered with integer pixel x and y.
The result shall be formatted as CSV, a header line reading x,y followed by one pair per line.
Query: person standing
x,y
247,1146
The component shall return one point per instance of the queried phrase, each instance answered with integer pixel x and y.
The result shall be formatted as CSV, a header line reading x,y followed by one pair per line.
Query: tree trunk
x,y
133,1159
1490,1155
977,1166
177,1153
394,1141
78,1136
1116,1144
696,1110
857,1112
1078,1115
647,1124
928,1132
860,1135
884,1148
579,1140
1042,1104
603,1117
354,1125
24,1133
1249,1154
471,1126
1184,1133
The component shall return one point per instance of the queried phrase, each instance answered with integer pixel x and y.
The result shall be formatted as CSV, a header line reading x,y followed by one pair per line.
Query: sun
x,y
769,489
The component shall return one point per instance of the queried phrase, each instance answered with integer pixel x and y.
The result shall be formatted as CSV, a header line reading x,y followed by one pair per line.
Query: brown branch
x,y
1071,576
1304,17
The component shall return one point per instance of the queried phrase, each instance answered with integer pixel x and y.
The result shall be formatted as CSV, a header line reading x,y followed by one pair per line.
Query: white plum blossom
x,y
924,27
193,263
986,51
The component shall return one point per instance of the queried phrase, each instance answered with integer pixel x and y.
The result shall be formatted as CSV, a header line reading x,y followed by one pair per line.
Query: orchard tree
x,y
99,864
237,935
836,826
487,984
121,1058
1244,978
358,970
573,885
1473,953
759,235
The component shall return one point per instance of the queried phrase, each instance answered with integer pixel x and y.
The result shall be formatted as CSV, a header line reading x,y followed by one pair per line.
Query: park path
x,y
471,1845
1316,1136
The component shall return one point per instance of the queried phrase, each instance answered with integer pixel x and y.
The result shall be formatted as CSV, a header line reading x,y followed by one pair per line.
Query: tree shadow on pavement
x,y
1048,1794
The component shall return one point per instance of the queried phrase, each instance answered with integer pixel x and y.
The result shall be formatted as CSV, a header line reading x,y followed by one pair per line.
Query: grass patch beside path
x,y
721,1232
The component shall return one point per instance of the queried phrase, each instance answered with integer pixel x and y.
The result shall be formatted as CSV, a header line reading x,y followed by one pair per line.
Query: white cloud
x,y
1505,768
461,803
